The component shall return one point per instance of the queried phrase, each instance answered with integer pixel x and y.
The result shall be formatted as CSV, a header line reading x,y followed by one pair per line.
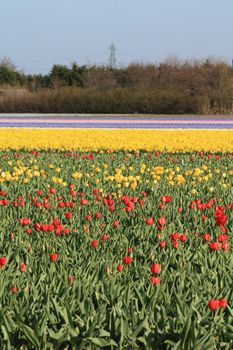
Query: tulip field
x,y
116,249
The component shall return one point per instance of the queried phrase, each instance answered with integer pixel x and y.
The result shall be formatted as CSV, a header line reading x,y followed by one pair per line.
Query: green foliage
x,y
170,87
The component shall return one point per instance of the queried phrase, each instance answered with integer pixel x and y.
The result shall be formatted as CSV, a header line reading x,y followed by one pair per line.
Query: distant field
x,y
81,115
73,121
117,139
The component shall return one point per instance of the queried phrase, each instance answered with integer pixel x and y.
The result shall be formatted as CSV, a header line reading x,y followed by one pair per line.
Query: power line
x,y
112,58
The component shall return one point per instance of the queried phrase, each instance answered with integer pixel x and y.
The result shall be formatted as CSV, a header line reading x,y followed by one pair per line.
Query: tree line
x,y
173,86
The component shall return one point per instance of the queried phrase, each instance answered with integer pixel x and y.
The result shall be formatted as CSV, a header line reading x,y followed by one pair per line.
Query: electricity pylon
x,y
112,58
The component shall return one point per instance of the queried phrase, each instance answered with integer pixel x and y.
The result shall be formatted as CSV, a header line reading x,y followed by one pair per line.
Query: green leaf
x,y
6,336
59,336
102,342
186,331
203,342
29,334
8,322
124,328
104,333
141,324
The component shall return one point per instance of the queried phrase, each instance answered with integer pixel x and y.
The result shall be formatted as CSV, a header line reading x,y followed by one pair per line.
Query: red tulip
x,y
144,194
68,215
220,217
222,303
203,217
3,261
223,229
56,222
162,221
23,267
97,215
206,237
214,246
183,238
104,237
162,244
155,268
225,246
222,238
119,267
25,221
66,231
83,201
150,221
127,260
70,279
154,280
116,223
53,257
73,193
174,236
165,199
213,304
28,231
94,243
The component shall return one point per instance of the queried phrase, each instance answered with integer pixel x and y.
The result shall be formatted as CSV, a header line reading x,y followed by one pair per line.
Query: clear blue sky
x,y
35,34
